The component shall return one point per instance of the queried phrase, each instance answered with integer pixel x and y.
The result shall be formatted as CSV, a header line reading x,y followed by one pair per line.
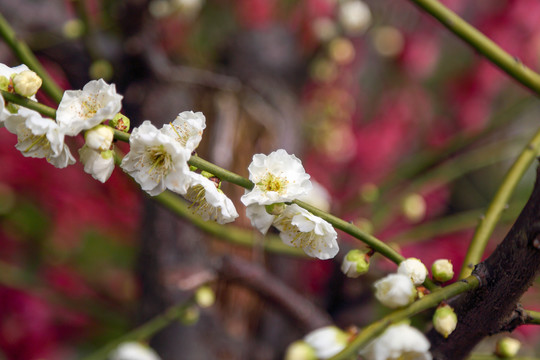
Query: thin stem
x,y
498,204
429,301
25,55
144,331
30,104
509,64
533,317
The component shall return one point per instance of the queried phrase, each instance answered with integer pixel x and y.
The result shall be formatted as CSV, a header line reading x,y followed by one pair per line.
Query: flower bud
x,y
395,290
414,269
442,270
355,263
205,297
120,122
99,137
300,350
414,207
275,209
4,83
507,347
444,320
134,351
327,341
26,83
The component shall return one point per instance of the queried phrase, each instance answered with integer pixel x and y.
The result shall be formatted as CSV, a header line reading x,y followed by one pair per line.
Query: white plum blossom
x,y
27,83
327,341
156,160
442,270
99,164
398,342
395,290
445,320
133,350
83,109
259,217
318,196
99,138
414,269
187,129
278,177
301,229
39,137
208,201
6,84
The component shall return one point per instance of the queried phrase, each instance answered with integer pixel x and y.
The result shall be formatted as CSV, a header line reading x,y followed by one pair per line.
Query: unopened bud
x,y
205,297
414,269
26,83
99,137
275,209
445,320
300,350
442,270
355,263
4,83
507,347
414,207
120,122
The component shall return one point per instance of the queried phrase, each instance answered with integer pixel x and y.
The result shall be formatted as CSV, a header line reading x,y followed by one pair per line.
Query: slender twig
x,y
533,317
25,55
506,62
498,204
427,302
30,104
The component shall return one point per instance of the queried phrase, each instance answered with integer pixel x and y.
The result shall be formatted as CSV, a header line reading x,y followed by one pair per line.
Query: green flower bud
x,y
355,263
445,320
300,350
4,83
442,270
275,209
205,297
120,122
507,347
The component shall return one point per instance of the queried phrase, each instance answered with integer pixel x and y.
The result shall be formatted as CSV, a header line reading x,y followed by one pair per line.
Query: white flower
x,y
39,137
354,16
99,164
445,320
395,290
156,160
442,270
259,217
208,201
327,341
278,177
26,83
318,196
398,342
414,269
187,129
133,351
83,109
299,228
99,138
6,84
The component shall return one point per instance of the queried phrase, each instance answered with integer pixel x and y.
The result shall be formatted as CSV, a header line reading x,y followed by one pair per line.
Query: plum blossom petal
x,y
99,164
187,129
398,342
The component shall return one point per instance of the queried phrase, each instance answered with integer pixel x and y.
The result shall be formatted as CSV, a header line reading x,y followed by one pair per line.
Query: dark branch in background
x,y
274,291
505,276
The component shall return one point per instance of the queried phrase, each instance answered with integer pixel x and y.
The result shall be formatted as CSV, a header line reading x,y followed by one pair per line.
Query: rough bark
x,y
505,275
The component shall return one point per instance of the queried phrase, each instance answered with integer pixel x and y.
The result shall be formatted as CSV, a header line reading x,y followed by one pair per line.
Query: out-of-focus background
x,y
406,127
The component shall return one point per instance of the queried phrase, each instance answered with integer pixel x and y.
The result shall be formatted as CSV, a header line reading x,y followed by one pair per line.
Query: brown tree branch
x,y
506,275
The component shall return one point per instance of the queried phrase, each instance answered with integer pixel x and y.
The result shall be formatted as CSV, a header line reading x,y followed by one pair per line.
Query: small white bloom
x,y
442,270
83,109
398,342
354,16
6,84
99,138
300,228
395,290
208,201
187,129
156,160
99,164
414,269
133,351
445,320
39,137
318,196
26,83
259,217
278,177
327,341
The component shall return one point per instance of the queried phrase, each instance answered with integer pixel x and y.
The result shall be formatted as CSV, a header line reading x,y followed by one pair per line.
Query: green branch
x,y
30,104
533,317
498,204
429,301
25,55
506,62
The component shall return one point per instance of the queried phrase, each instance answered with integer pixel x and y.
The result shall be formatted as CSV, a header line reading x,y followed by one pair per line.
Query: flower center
x,y
89,107
39,141
160,162
272,182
